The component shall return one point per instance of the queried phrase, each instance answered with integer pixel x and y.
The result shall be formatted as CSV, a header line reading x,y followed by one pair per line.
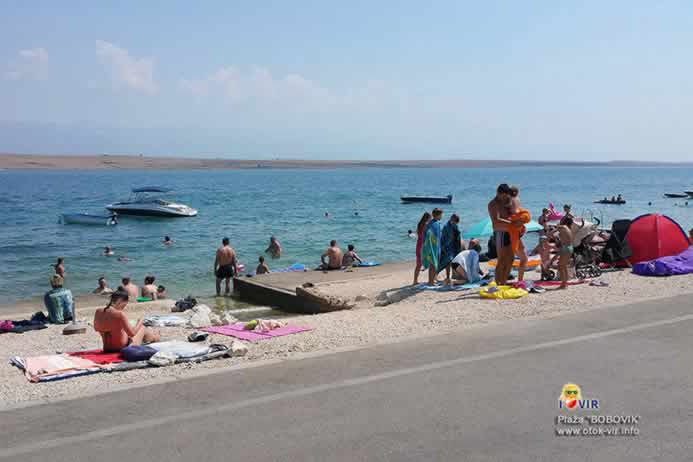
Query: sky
x,y
530,80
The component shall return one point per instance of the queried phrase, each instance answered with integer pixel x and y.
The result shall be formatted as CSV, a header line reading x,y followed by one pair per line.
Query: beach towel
x,y
667,266
452,288
168,320
516,231
469,261
295,268
180,349
501,292
98,356
238,331
557,283
450,244
430,249
54,367
21,326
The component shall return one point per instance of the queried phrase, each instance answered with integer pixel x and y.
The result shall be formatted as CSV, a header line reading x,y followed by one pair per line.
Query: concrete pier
x,y
279,289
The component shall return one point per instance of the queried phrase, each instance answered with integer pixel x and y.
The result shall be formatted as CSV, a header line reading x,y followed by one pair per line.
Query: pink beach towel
x,y
237,331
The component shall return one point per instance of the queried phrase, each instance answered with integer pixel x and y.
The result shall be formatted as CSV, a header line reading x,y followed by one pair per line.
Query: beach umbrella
x,y
484,228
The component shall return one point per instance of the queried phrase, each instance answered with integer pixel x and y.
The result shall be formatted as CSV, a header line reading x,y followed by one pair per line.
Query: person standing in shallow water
x,y
420,230
224,266
274,248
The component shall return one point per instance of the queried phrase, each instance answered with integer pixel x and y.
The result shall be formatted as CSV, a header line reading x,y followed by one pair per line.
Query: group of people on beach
x,y
441,248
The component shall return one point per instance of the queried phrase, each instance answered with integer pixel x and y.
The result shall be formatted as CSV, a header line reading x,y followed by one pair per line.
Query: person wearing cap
x,y
132,290
115,329
58,301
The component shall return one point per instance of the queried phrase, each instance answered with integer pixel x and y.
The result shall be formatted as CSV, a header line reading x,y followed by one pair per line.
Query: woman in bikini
x,y
115,329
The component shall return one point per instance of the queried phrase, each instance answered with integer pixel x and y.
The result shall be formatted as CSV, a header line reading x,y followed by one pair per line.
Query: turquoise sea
x,y
249,206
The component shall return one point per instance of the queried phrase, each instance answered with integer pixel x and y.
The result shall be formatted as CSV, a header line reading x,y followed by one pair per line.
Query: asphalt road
x,y
484,394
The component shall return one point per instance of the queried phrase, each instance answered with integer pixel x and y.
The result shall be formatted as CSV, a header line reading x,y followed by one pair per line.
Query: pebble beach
x,y
387,309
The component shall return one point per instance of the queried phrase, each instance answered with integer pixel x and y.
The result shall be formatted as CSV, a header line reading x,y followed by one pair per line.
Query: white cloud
x,y
31,64
258,86
126,70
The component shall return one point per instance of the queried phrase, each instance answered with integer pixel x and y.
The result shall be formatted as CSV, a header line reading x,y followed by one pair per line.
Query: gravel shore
x,y
388,308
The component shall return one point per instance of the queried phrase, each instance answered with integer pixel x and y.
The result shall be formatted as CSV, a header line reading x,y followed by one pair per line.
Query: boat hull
x,y
427,199
676,196
86,219
150,211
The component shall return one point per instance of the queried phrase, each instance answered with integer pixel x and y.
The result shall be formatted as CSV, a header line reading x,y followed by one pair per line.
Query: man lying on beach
x,y
334,255
103,288
350,257
115,329
225,265
129,287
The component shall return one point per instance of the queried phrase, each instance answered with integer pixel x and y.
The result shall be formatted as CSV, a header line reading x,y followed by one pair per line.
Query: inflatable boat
x,y
610,202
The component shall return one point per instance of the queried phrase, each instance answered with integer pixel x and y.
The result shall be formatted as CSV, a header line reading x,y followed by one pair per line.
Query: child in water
x,y
262,267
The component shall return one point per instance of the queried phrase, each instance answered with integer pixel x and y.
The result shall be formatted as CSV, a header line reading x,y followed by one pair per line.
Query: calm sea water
x,y
250,205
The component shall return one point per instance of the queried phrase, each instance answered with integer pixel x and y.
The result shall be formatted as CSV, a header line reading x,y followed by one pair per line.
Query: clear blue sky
x,y
358,79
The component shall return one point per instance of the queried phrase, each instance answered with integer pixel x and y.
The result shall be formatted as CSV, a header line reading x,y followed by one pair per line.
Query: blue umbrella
x,y
485,229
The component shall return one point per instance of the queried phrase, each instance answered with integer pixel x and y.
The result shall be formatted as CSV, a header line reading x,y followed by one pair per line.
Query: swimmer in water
x,y
411,234
108,251
167,240
123,259
327,214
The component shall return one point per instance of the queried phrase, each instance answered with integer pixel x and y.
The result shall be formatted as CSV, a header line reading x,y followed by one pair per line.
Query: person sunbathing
x,y
149,289
115,329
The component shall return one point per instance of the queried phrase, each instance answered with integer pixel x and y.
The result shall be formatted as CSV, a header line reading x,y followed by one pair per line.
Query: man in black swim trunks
x,y
225,265
498,209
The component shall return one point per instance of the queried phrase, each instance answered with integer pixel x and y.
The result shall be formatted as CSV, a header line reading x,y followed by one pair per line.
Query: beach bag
x,y
184,304
134,353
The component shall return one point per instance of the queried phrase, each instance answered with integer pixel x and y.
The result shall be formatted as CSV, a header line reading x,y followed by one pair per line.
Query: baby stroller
x,y
616,249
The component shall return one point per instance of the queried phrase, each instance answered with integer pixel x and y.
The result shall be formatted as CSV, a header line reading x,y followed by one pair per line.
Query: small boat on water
x,y
676,195
146,201
428,199
690,193
610,202
89,219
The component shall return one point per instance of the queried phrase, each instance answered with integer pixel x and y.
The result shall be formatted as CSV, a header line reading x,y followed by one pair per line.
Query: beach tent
x,y
653,236
484,229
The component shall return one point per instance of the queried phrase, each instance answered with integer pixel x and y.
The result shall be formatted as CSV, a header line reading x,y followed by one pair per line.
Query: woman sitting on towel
x,y
115,329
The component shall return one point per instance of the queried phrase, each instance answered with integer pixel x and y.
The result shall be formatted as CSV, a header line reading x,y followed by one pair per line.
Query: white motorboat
x,y
146,201
89,219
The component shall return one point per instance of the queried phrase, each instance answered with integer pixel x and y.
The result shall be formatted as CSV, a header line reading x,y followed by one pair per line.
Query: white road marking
x,y
178,418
